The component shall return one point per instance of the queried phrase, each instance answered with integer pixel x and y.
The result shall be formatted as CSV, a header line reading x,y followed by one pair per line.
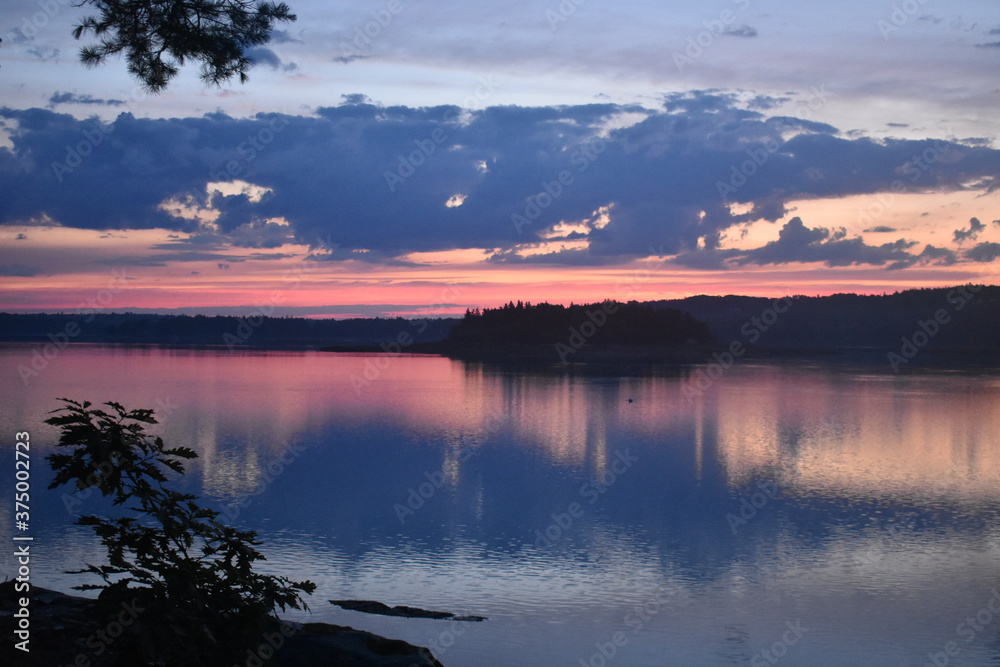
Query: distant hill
x,y
954,318
220,330
963,319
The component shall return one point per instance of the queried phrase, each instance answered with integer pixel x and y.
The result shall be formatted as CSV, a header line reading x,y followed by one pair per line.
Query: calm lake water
x,y
789,514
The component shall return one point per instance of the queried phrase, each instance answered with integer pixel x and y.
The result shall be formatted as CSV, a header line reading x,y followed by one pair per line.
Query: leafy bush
x,y
203,604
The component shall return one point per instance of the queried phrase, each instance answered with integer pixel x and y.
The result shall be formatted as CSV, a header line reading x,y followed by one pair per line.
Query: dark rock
x,y
64,627
375,607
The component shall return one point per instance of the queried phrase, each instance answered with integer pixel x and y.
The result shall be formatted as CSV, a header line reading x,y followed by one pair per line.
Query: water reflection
x,y
431,484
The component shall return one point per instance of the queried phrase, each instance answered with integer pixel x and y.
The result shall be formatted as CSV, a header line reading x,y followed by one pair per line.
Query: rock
x,y
70,630
375,607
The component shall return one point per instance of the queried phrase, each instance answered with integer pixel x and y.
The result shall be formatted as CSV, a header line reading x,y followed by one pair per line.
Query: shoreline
x,y
68,630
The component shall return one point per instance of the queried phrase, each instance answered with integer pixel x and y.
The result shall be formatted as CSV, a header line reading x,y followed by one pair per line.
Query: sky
x,y
398,157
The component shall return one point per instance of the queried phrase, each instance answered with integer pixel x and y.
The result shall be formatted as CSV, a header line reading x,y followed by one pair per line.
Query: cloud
x,y
58,98
798,243
975,227
880,229
355,98
988,45
984,252
938,255
740,31
284,37
373,180
260,55
17,271
347,60
263,56
43,53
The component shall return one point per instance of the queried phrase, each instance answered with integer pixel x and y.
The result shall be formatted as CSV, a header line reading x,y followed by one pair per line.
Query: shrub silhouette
x,y
192,577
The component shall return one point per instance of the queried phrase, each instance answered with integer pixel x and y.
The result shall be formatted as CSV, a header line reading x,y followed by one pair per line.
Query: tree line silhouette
x,y
608,323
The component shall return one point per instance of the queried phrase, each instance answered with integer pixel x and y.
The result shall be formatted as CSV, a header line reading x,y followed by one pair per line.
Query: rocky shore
x,y
67,630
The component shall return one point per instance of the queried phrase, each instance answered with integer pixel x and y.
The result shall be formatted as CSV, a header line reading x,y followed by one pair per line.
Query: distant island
x,y
908,327
565,330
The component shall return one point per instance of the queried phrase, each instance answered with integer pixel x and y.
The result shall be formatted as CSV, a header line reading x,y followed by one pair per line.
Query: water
x,y
788,514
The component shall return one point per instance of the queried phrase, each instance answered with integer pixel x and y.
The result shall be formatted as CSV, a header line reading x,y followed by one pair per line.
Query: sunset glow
x,y
429,183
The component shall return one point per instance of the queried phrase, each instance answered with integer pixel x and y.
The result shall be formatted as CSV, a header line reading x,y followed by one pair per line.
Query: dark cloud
x,y
975,227
72,98
988,45
798,243
347,60
740,31
260,55
929,255
372,181
17,271
284,37
984,252
939,255
880,229
975,141
355,98
21,237
766,101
